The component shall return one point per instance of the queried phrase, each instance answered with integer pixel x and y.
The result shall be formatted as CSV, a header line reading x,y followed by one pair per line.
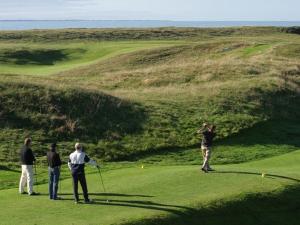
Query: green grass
x,y
137,97
154,97
158,194
40,59
256,49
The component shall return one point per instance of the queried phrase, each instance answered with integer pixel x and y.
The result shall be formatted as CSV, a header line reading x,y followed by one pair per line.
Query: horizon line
x,y
167,20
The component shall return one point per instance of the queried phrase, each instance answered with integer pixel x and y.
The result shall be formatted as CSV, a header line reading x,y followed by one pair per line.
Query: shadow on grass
x,y
143,204
33,56
260,209
173,209
6,168
113,194
259,174
273,132
275,208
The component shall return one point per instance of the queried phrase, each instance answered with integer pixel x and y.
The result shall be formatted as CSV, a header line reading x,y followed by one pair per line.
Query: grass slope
x,y
43,59
235,78
170,194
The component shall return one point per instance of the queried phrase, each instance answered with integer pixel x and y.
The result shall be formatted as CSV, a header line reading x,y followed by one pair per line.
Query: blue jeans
x,y
53,181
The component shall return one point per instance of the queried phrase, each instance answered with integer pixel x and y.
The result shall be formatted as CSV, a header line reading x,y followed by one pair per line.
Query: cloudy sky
x,y
282,10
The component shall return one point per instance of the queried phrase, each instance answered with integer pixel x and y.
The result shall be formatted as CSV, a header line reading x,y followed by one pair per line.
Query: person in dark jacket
x,y
27,160
76,164
206,145
54,164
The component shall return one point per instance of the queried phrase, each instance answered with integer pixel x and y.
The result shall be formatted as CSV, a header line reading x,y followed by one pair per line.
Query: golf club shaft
x,y
36,177
101,180
59,180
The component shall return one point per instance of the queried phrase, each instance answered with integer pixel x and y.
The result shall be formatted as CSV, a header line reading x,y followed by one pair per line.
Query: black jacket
x,y
26,156
53,159
208,137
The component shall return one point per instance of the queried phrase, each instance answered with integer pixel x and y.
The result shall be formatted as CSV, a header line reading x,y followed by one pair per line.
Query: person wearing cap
x,y
27,160
54,164
76,164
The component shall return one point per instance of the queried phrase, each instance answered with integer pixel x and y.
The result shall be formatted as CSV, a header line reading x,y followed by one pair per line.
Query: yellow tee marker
x,y
263,175
142,167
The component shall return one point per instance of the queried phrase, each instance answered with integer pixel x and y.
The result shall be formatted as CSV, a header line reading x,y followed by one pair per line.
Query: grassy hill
x,y
146,97
136,97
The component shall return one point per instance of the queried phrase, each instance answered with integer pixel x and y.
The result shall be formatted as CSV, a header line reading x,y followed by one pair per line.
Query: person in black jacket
x,y
54,164
27,159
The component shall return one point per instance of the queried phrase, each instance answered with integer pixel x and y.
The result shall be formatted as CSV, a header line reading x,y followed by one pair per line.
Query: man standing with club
x,y
27,159
54,164
76,164
206,145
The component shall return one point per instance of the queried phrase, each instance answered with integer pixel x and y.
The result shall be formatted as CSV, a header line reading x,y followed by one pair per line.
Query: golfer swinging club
x,y
206,145
76,164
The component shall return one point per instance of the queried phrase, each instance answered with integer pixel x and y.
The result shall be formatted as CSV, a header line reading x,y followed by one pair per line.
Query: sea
x,y
61,24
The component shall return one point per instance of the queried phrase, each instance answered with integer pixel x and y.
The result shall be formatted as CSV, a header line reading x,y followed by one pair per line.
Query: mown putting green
x,y
137,194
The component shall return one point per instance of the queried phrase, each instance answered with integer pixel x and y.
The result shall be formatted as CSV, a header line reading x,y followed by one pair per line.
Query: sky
x,y
184,10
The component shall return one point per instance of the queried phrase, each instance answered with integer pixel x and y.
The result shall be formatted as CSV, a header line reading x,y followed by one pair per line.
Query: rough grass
x,y
175,88
132,34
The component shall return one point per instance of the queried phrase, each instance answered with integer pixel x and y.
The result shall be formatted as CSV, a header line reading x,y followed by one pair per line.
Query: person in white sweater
x,y
76,164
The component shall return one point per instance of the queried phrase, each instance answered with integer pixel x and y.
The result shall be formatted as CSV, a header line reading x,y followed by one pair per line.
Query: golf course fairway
x,y
157,192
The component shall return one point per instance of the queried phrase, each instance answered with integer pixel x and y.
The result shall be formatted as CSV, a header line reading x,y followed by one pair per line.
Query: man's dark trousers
x,y
53,181
80,176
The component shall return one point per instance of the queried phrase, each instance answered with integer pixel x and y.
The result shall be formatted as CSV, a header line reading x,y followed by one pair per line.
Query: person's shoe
x,y
204,170
33,194
89,201
23,193
57,198
210,169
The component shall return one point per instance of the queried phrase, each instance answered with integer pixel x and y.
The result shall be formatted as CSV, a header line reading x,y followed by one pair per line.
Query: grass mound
x,y
67,114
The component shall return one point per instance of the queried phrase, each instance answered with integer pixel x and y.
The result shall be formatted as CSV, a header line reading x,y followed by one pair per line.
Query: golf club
x,y
59,180
99,171
36,177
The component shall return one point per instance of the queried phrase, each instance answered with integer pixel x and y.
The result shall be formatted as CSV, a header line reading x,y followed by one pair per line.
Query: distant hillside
x,y
131,34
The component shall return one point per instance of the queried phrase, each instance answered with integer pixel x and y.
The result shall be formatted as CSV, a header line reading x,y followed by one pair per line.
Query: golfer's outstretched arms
x,y
204,126
90,161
